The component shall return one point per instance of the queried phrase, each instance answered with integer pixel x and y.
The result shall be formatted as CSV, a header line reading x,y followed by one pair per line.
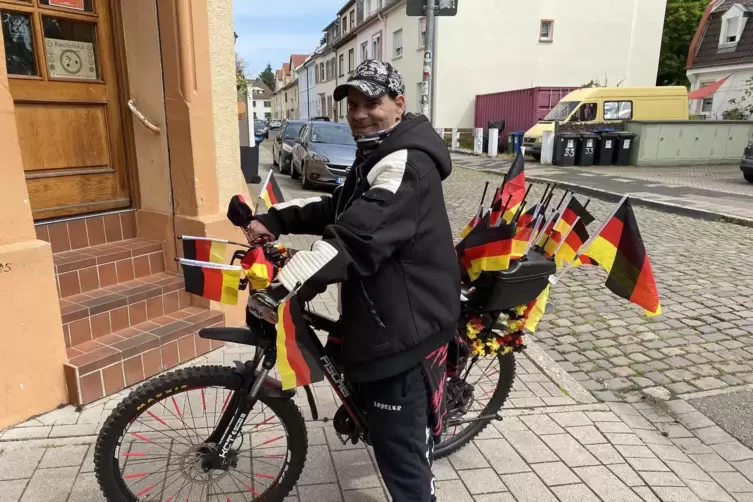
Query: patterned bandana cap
x,y
373,78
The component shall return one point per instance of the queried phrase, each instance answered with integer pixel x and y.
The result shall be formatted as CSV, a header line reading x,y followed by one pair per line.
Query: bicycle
x,y
250,440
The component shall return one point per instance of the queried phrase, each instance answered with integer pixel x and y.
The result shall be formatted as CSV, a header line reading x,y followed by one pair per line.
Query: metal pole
x,y
427,64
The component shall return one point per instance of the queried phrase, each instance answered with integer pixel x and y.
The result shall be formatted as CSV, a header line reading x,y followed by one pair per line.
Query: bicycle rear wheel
x,y
491,385
152,445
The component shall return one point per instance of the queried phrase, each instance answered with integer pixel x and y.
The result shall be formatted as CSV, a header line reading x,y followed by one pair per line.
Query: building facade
x,y
309,103
88,222
259,100
326,61
720,63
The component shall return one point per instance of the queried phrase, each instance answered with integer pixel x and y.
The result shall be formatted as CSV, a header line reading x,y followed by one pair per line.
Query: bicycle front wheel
x,y
152,445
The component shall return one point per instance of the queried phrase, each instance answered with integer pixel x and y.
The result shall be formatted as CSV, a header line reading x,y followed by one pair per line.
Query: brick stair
x,y
124,317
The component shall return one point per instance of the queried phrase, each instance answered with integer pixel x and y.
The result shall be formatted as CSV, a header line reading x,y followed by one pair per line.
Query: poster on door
x,y
69,59
68,4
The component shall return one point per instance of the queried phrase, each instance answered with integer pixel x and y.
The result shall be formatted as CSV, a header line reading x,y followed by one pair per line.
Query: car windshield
x,y
332,134
292,130
259,123
561,111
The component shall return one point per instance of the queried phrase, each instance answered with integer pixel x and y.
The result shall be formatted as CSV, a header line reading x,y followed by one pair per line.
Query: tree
x,y
680,24
268,77
241,83
744,106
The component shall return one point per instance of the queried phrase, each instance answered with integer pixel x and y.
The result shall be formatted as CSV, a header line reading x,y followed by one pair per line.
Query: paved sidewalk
x,y
710,192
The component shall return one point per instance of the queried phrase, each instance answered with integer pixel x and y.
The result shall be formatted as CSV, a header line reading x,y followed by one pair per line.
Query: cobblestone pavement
x,y
715,189
556,442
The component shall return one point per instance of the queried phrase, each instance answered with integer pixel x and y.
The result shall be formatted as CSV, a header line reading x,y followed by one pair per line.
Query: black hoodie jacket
x,y
386,237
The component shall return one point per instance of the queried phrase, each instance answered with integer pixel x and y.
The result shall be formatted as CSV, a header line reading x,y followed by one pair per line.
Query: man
x,y
386,237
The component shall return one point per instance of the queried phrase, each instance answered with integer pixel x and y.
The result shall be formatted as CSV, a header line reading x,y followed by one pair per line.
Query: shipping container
x,y
520,109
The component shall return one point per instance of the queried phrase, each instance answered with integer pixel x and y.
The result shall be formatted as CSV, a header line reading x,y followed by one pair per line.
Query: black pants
x,y
398,415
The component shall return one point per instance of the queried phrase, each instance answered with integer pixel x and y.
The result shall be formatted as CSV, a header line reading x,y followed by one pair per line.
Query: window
x,y
329,106
618,110
586,113
342,64
321,72
397,44
286,97
421,32
708,105
340,108
546,33
731,30
351,60
366,8
364,51
267,104
345,23
352,19
376,47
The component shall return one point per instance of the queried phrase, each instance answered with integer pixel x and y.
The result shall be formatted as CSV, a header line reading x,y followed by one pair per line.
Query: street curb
x,y
559,376
608,196
667,207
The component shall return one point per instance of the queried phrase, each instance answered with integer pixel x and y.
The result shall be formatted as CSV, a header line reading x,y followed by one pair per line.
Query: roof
x,y
298,59
286,68
708,53
278,74
266,92
346,6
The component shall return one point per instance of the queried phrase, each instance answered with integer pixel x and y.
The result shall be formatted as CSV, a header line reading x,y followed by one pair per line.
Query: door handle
x,y
140,116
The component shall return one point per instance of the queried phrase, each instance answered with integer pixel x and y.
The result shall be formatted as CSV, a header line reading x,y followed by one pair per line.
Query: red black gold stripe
x,y
515,186
296,360
272,194
219,283
620,251
486,249
471,225
258,270
203,249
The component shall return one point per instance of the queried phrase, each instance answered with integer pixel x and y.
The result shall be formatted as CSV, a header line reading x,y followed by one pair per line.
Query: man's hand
x,y
257,232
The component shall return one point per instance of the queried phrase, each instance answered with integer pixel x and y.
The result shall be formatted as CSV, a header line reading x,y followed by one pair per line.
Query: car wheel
x,y
274,159
536,157
293,172
305,183
286,171
748,178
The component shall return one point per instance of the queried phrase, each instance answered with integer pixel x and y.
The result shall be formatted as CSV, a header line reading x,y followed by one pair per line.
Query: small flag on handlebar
x,y
212,281
296,359
271,192
203,249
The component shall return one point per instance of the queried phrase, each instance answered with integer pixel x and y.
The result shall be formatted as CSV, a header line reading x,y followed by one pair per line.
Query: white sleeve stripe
x,y
388,173
297,202
305,264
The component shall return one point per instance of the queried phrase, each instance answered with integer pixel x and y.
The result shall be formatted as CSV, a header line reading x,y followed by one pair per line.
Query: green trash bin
x,y
511,143
607,146
565,148
625,143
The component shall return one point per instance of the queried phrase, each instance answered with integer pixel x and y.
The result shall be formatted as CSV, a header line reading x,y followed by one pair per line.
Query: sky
x,y
270,30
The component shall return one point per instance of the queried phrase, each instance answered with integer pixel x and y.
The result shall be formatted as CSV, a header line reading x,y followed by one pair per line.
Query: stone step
x,y
91,315
107,364
91,268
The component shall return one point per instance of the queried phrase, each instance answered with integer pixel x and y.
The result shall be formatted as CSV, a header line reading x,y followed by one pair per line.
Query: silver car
x,y
322,154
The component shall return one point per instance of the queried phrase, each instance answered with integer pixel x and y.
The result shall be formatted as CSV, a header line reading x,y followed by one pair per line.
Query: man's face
x,y
368,115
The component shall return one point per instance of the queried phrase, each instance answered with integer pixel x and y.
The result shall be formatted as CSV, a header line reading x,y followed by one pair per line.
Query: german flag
x,y
575,239
619,249
523,233
526,218
515,186
203,249
486,249
573,211
472,224
258,270
219,283
296,360
271,192
536,310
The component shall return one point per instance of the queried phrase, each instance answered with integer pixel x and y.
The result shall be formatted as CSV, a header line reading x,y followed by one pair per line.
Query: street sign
x,y
441,8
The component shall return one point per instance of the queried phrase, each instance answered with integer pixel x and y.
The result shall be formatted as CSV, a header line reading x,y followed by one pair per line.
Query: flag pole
x,y
535,230
521,207
483,195
261,192
559,217
502,214
554,279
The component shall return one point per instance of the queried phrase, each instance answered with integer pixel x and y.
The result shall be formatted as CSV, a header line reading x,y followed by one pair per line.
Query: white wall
x,y
366,36
733,88
499,39
303,90
410,64
326,88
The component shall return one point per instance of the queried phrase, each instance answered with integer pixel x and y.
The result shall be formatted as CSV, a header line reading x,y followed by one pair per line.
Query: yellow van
x,y
610,104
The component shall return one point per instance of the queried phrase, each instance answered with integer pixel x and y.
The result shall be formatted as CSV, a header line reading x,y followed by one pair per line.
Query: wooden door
x,y
63,79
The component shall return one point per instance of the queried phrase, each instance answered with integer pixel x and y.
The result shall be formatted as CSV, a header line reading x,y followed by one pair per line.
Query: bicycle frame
x,y
263,337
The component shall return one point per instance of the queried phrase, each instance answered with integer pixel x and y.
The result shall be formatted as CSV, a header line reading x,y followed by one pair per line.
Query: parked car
x,y
323,153
261,129
274,124
746,165
282,148
322,118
